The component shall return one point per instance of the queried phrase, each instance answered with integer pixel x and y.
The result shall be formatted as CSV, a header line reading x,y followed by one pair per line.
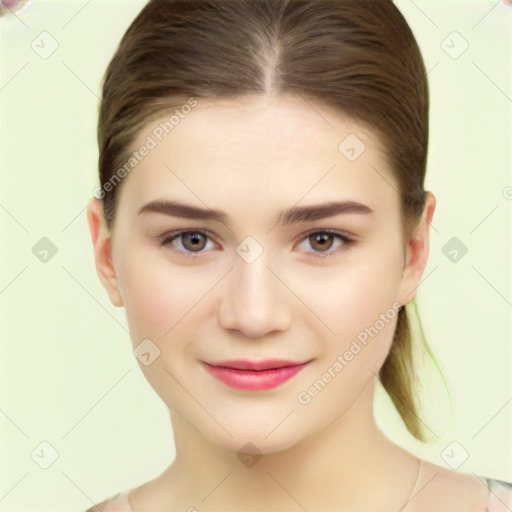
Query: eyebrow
x,y
293,215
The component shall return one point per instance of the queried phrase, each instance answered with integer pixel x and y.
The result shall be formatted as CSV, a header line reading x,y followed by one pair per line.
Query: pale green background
x,y
68,373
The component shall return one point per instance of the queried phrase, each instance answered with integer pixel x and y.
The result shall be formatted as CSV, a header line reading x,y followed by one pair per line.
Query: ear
x,y
101,242
416,253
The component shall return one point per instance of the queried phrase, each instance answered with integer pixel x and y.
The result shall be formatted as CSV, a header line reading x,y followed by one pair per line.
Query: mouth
x,y
255,375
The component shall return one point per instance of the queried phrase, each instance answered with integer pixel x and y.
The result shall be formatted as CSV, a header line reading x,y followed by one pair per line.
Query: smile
x,y
254,380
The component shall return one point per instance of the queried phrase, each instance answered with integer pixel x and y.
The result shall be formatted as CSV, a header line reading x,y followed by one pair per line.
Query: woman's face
x,y
260,282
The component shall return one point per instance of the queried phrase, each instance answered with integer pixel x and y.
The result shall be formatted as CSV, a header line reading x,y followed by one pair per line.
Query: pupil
x,y
194,239
322,240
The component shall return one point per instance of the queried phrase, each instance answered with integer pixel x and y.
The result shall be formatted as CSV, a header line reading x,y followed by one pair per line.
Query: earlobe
x,y
416,253
101,242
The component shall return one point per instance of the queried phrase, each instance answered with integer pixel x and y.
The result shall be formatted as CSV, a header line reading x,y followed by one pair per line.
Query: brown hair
x,y
359,57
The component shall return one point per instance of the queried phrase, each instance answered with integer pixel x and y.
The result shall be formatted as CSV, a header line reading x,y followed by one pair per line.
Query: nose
x,y
255,302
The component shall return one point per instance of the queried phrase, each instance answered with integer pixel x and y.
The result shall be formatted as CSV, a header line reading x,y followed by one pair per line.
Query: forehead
x,y
302,123
263,150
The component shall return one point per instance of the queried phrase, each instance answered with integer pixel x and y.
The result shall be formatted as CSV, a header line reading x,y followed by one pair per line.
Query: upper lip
x,y
267,364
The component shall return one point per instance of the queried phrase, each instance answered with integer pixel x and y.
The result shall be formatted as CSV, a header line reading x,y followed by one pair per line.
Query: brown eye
x,y
193,241
188,243
321,241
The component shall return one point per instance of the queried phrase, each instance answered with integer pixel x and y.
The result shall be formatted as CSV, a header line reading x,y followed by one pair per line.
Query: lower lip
x,y
254,380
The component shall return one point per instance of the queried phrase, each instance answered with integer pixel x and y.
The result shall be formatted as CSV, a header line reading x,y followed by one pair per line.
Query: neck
x,y
331,468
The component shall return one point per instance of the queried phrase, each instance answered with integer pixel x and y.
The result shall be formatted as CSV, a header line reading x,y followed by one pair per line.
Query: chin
x,y
256,441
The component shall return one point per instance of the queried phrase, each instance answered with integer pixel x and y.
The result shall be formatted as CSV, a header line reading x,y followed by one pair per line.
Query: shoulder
x,y
117,503
444,490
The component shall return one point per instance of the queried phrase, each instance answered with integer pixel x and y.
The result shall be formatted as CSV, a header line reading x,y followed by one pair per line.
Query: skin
x,y
252,158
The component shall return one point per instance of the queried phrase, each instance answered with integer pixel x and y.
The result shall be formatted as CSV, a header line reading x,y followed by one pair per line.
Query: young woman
x,y
262,218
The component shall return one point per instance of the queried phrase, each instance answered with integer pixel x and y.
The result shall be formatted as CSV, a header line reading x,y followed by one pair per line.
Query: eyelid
x,y
166,239
348,240
332,231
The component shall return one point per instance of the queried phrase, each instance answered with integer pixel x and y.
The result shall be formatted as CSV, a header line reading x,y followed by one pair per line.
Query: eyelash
x,y
168,238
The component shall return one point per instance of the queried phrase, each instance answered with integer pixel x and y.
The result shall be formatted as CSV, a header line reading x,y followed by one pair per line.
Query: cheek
x,y
158,294
353,295
150,294
158,299
357,300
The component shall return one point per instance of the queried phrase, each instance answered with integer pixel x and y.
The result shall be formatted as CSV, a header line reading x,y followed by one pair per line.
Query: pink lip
x,y
254,376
